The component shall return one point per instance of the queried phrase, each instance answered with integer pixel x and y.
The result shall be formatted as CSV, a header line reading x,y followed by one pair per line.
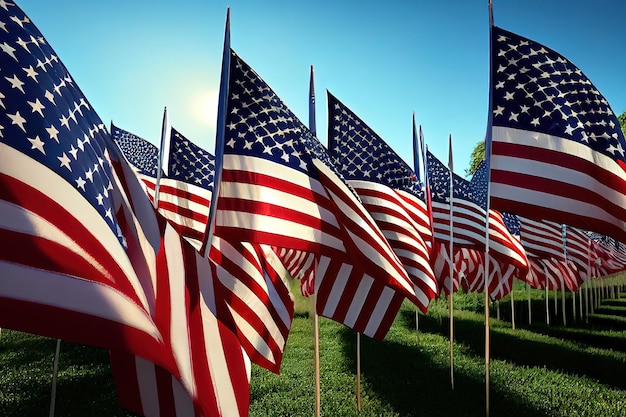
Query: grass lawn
x,y
535,369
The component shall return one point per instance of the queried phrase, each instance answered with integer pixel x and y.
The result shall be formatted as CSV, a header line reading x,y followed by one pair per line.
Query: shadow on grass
x,y
522,350
412,383
84,373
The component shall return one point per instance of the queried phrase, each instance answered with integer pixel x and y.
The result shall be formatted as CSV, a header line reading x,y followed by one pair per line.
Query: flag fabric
x,y
470,216
186,184
252,285
185,190
280,188
85,257
142,156
389,190
557,150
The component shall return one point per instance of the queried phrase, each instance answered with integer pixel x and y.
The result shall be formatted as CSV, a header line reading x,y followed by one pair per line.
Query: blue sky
x,y
384,60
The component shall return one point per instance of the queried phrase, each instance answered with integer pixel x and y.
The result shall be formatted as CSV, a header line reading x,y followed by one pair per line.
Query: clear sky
x,y
382,59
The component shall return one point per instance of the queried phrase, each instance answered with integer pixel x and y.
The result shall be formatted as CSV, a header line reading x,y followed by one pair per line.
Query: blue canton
x,y
46,117
190,163
259,124
361,154
140,153
537,89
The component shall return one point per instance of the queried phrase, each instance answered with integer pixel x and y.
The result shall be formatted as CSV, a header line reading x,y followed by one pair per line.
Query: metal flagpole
x,y
316,328
165,140
220,133
451,269
417,146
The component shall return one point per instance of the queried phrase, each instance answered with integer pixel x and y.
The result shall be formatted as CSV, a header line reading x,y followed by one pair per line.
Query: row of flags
x,y
180,261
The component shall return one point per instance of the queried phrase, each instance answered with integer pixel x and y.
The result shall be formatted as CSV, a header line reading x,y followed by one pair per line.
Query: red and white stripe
x,y
214,372
403,219
349,296
579,186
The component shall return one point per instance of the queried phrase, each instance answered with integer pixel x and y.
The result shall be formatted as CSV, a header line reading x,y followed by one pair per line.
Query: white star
x,y
498,111
65,161
74,152
509,95
23,44
80,183
30,72
513,116
8,49
17,119
37,107
15,83
36,143
53,132
535,122
569,129
524,109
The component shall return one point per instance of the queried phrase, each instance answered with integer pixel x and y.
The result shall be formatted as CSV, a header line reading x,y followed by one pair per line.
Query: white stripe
x,y
147,385
49,288
46,181
179,326
356,304
336,293
272,224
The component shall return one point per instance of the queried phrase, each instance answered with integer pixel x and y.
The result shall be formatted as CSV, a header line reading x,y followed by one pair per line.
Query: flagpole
x,y
316,329
220,133
55,371
417,146
165,136
488,139
451,269
512,310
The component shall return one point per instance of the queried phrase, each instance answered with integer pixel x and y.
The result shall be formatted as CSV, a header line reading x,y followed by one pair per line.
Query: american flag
x,y
469,202
142,155
279,187
389,190
544,242
254,300
578,249
557,150
84,255
186,184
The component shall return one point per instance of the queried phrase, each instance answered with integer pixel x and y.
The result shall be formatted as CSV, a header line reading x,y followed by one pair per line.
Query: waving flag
x,y
186,184
142,156
557,150
253,298
389,190
84,255
279,187
469,216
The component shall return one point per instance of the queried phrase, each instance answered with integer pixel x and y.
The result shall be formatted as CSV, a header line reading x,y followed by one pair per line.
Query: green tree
x,y
477,156
622,122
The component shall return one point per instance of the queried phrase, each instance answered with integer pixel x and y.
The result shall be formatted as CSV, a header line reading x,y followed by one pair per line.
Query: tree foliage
x,y
477,156
622,122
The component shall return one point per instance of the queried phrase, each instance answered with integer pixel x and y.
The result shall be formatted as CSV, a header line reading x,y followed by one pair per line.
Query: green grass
x,y
535,369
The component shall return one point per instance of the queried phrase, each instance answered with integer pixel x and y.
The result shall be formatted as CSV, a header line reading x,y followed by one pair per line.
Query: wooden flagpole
x,y
358,371
488,138
316,337
451,269
512,310
530,312
55,371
